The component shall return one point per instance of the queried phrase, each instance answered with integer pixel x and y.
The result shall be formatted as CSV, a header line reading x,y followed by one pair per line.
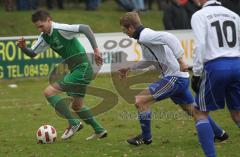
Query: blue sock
x,y
216,128
206,137
145,121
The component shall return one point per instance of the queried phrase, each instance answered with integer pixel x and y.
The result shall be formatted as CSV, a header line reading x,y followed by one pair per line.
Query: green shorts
x,y
76,81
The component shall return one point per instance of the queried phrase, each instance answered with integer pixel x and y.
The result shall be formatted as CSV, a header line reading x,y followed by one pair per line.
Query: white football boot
x,y
71,130
97,136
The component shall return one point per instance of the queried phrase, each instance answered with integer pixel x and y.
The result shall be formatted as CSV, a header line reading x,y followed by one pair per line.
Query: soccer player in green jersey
x,y
62,38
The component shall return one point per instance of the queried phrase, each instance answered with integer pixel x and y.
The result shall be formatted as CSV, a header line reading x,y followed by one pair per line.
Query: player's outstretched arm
x,y
87,31
21,43
98,57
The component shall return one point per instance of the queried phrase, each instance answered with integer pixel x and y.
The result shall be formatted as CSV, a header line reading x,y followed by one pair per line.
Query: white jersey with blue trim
x,y
163,48
217,34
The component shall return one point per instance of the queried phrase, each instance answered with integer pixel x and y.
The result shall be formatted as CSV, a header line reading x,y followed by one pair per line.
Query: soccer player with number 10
x,y
216,67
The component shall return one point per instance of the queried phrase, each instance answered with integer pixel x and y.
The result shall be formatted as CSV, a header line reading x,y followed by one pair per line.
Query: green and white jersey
x,y
62,39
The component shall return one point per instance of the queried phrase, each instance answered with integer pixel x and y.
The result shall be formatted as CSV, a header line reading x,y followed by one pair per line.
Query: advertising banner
x,y
14,64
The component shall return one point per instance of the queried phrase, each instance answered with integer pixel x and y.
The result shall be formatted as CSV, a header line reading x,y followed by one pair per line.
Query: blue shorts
x,y
172,87
220,84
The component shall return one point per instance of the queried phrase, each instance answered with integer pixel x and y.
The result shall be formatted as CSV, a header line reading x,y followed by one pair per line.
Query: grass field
x,y
24,109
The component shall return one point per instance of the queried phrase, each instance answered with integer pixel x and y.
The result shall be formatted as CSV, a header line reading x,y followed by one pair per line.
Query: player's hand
x,y
183,65
21,43
98,57
123,73
195,82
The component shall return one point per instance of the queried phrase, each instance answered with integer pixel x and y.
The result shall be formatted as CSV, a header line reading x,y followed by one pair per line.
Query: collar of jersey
x,y
211,2
136,34
53,23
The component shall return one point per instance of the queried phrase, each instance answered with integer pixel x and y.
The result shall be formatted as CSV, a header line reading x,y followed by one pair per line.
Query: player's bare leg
x,y
235,116
61,106
142,102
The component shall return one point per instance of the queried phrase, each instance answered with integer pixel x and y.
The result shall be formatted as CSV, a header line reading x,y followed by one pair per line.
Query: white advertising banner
x,y
115,49
187,40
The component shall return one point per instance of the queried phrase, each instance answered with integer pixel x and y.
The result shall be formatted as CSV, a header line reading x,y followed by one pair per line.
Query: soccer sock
x,y
61,107
145,122
86,115
206,137
216,128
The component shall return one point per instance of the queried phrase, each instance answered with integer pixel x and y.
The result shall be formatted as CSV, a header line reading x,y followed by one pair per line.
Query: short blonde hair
x,y
130,18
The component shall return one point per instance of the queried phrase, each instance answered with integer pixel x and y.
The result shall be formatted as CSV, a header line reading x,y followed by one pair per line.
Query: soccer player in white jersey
x,y
62,38
216,67
166,50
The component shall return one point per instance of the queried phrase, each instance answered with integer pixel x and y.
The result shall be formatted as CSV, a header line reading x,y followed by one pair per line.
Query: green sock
x,y
61,107
86,115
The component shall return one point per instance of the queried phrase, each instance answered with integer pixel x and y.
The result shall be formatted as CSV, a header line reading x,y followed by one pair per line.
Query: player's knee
x,y
76,105
139,102
48,92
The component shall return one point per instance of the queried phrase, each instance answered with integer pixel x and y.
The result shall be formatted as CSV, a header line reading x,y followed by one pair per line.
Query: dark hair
x,y
40,15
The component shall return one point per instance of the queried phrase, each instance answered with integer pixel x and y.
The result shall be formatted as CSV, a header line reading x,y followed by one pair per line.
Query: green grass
x,y
106,19
23,110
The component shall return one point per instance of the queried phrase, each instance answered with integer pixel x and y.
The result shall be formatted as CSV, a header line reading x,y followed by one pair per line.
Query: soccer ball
x,y
46,134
